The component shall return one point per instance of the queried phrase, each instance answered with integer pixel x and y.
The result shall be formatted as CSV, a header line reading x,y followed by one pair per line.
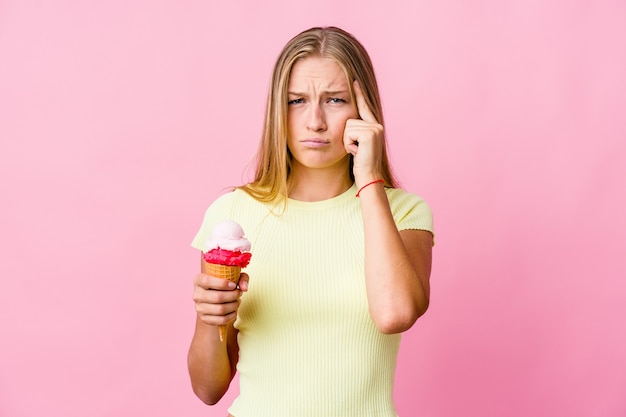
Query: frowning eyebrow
x,y
324,93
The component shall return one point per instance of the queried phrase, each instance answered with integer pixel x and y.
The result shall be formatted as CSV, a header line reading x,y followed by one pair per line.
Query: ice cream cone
x,y
225,253
228,272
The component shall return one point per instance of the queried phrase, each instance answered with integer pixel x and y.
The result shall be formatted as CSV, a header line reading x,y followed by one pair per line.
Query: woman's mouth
x,y
315,142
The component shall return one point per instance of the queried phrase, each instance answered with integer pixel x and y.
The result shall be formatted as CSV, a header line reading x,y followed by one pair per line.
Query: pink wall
x,y
507,116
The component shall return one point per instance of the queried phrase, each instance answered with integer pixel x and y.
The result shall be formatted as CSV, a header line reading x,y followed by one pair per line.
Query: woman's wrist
x,y
361,180
370,184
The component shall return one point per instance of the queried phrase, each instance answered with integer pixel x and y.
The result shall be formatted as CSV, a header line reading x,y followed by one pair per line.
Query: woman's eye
x,y
336,100
296,101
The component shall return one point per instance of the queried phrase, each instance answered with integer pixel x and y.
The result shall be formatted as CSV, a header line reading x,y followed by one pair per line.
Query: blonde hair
x,y
273,160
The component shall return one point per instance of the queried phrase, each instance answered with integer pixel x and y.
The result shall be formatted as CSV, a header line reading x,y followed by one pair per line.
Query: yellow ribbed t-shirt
x,y
308,346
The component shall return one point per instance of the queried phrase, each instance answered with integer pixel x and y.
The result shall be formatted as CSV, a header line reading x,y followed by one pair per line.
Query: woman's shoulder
x,y
409,210
401,196
231,197
232,204
237,203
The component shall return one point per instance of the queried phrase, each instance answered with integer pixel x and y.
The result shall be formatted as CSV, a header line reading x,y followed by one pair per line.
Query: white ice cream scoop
x,y
228,235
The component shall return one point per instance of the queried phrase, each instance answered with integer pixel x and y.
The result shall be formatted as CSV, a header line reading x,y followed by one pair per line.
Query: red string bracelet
x,y
368,184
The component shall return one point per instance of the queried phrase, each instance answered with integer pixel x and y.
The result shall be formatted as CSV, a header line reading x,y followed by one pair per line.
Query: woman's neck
x,y
318,185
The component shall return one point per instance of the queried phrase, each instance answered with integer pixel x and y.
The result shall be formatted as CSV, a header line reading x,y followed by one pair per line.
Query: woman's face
x,y
319,104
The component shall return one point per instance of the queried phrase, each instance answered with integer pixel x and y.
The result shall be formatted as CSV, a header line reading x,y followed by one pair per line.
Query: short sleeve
x,y
410,211
218,211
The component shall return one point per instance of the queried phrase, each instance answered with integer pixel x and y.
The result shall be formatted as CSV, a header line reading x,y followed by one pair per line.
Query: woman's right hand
x,y
217,300
212,363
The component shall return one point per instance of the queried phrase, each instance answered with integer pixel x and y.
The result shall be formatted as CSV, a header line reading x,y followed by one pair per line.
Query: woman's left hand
x,y
363,138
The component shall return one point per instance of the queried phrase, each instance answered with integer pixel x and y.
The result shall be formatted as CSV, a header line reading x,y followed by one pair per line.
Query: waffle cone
x,y
228,272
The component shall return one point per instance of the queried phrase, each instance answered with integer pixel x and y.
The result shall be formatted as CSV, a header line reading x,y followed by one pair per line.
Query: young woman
x,y
341,256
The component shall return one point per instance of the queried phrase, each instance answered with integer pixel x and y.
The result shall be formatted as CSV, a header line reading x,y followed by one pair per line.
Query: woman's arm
x,y
397,265
211,362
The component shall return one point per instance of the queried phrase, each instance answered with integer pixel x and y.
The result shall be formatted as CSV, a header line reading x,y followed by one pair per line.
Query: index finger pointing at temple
x,y
364,110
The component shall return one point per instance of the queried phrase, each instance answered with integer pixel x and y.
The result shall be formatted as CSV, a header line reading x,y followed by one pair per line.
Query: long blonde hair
x,y
273,160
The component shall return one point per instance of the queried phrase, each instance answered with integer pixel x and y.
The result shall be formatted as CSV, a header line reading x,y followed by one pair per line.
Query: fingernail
x,y
232,285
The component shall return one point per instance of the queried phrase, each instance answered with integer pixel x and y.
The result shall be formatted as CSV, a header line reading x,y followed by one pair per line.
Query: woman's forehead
x,y
322,72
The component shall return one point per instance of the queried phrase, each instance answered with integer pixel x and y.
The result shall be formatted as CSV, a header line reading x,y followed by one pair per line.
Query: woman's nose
x,y
316,120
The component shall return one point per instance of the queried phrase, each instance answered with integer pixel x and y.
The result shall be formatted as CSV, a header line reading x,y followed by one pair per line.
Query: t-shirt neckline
x,y
333,201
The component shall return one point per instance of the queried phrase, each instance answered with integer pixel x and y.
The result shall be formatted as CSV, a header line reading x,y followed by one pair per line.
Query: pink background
x,y
121,121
